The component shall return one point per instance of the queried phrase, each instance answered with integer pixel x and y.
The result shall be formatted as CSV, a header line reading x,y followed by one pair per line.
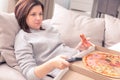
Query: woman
x,y
38,49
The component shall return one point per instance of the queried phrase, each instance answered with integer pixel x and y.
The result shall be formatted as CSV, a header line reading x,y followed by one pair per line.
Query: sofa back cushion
x,y
112,30
8,30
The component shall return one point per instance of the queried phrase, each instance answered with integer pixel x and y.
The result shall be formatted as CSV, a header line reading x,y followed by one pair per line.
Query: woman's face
x,y
35,17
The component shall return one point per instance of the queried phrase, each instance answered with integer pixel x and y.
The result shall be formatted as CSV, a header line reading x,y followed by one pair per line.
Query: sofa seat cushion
x,y
8,73
112,31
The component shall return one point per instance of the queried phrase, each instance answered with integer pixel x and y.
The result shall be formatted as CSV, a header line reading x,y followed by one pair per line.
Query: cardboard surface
x,y
78,71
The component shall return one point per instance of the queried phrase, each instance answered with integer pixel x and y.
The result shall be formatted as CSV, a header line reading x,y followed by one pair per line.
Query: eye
x,y
40,14
33,14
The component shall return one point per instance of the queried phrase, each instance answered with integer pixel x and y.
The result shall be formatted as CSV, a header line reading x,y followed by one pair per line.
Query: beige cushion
x,y
71,25
8,29
112,31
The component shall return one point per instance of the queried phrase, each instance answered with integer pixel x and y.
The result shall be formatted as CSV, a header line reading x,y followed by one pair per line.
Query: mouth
x,y
38,23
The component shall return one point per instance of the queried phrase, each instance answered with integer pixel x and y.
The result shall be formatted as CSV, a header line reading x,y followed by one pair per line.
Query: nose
x,y
38,17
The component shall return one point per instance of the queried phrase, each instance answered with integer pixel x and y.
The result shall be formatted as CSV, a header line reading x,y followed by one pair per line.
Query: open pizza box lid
x,y
78,71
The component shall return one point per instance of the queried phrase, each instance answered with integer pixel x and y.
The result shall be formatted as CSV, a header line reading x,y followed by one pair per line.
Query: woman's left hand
x,y
84,44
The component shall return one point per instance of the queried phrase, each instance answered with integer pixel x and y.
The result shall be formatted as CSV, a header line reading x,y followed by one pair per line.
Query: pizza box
x,y
78,71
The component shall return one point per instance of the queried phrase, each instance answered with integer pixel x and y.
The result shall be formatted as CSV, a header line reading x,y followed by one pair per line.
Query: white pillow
x,y
112,30
91,27
8,30
63,20
71,25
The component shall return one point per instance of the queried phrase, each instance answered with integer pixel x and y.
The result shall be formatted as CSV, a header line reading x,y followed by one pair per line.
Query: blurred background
x,y
92,8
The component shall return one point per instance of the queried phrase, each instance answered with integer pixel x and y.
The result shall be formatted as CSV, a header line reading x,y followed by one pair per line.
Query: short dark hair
x,y
22,10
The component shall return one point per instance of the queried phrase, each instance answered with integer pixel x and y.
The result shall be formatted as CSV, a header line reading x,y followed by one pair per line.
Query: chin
x,y
37,27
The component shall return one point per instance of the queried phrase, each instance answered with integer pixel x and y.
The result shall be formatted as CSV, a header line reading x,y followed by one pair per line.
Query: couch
x,y
101,31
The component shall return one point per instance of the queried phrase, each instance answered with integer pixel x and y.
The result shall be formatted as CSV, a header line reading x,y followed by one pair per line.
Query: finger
x,y
88,39
64,64
64,57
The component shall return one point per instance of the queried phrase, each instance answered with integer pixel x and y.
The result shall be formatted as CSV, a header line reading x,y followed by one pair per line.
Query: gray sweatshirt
x,y
33,49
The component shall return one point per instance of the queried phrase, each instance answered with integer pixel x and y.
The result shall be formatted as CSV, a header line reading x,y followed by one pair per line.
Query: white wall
x,y
64,3
4,5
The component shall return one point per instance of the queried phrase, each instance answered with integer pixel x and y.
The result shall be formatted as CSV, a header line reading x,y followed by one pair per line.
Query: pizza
x,y
107,64
85,41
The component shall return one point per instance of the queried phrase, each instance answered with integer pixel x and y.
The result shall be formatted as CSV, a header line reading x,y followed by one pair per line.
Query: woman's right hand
x,y
57,62
60,62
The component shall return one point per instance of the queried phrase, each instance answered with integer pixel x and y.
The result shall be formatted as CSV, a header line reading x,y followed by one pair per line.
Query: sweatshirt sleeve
x,y
25,58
